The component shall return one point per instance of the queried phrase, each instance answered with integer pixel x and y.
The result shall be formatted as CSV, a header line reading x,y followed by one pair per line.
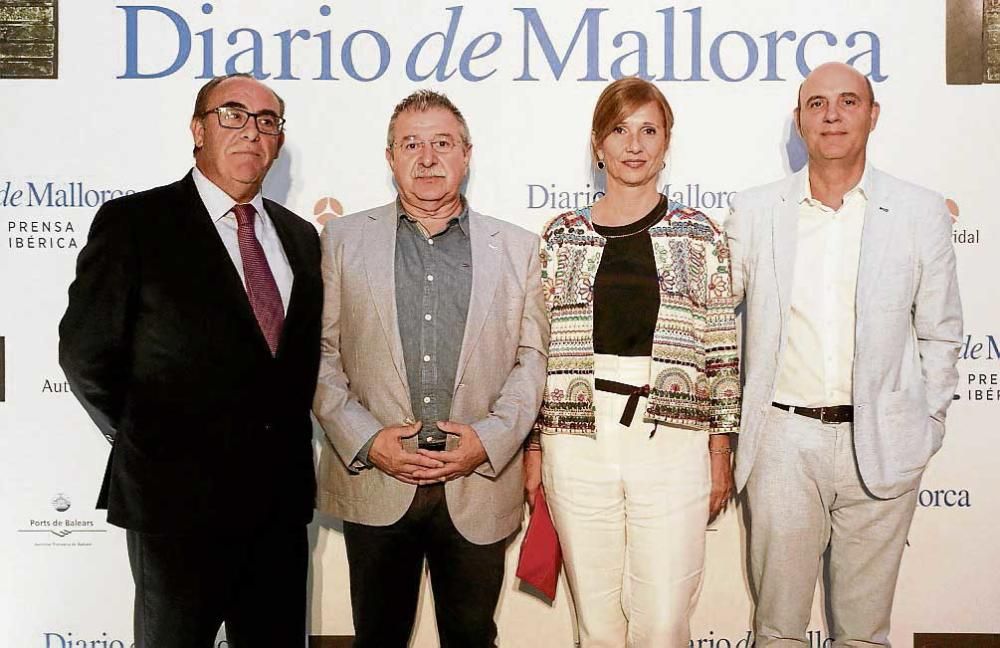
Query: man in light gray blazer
x,y
853,328
433,365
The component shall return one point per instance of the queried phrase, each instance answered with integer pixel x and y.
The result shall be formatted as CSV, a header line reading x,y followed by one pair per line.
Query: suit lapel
x,y
293,253
485,278
876,235
379,245
785,228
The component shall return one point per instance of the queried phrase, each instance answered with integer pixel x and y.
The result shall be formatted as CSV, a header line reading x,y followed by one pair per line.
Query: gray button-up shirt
x,y
433,286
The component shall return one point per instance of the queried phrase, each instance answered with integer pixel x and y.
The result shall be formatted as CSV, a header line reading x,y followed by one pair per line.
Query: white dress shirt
x,y
220,209
817,365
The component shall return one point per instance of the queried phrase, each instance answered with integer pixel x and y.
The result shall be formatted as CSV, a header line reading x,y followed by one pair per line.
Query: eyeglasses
x,y
235,118
440,145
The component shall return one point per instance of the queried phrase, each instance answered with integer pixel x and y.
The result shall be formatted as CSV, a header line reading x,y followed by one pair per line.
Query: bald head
x,y
835,67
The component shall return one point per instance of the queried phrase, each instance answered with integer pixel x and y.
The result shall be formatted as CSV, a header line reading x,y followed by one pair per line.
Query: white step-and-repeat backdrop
x,y
95,101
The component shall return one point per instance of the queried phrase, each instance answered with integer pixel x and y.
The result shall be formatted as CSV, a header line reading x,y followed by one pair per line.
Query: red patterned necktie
x,y
261,287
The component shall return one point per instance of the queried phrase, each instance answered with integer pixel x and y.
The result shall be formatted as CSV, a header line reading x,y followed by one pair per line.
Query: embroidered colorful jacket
x,y
694,373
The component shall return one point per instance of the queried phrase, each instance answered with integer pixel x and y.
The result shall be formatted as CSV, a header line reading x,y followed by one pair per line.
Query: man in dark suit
x,y
192,339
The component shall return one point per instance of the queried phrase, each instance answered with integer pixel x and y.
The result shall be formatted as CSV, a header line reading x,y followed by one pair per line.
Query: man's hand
x,y
387,454
461,461
532,476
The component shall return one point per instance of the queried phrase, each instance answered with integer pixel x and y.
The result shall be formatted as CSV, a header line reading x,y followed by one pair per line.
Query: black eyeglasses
x,y
235,118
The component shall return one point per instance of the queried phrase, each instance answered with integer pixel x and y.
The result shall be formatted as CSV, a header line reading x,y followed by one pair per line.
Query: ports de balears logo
x,y
29,39
61,529
972,42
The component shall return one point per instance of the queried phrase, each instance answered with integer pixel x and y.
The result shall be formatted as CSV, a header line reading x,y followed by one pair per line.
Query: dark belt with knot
x,y
623,389
831,414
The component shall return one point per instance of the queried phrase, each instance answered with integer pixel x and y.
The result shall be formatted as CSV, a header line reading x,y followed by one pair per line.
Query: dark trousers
x,y
187,585
385,565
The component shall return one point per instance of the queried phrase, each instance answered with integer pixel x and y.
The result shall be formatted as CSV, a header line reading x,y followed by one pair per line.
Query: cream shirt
x,y
818,361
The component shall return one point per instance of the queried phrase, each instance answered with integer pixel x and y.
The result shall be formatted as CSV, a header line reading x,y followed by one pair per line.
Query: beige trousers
x,y
806,499
631,513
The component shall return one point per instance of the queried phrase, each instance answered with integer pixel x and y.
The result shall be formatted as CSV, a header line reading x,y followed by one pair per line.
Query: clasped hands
x,y
426,466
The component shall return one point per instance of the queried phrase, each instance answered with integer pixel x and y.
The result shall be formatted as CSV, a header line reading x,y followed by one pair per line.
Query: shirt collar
x,y
217,202
804,191
462,219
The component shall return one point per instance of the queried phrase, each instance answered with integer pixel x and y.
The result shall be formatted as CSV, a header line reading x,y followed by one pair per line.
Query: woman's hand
x,y
532,475
720,454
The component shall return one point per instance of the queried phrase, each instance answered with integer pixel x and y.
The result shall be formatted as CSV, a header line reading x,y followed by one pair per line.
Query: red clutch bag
x,y
541,557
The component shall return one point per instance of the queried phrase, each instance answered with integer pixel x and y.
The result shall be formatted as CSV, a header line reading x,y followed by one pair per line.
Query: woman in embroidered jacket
x,y
632,441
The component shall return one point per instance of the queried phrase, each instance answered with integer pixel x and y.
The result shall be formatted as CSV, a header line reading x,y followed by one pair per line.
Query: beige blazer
x,y
908,331
362,380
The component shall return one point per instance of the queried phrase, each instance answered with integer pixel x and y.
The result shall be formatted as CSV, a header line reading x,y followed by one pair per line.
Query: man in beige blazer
x,y
433,366
853,328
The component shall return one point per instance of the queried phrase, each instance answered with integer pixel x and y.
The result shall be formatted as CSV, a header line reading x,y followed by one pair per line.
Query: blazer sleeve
x,y
937,312
721,353
347,423
513,414
547,259
95,334
735,233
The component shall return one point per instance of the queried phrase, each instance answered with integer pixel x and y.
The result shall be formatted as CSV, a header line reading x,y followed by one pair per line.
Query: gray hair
x,y
422,101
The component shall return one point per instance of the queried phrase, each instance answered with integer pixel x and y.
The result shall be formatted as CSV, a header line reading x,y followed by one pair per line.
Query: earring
x,y
664,163
600,164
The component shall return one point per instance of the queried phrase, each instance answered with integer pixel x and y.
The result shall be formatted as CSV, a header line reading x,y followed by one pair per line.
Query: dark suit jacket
x,y
161,346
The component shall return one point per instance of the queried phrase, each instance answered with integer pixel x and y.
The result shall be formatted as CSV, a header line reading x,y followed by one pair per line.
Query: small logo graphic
x,y
41,529
29,39
326,209
61,503
972,42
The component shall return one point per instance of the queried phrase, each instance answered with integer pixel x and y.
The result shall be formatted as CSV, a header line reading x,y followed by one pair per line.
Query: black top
x,y
626,289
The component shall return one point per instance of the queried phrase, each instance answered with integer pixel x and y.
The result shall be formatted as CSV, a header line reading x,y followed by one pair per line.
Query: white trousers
x,y
631,513
808,506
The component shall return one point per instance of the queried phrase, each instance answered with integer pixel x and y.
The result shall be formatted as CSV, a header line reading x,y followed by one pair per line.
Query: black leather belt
x,y
831,414
623,389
